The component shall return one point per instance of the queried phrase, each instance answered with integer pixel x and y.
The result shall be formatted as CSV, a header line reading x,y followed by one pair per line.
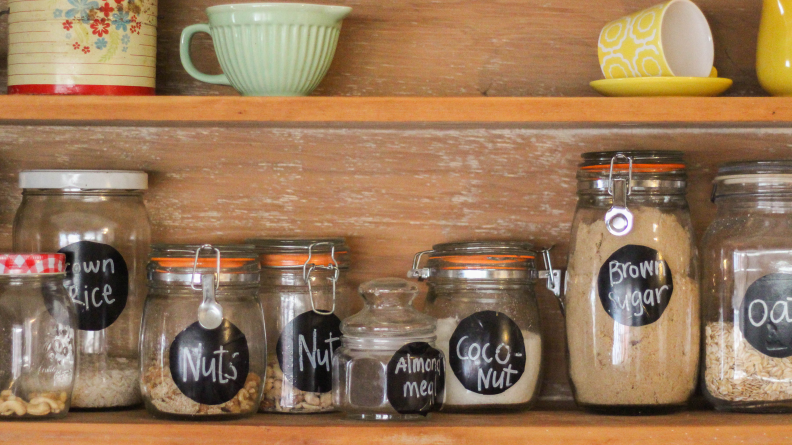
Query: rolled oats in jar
x,y
305,296
99,221
747,289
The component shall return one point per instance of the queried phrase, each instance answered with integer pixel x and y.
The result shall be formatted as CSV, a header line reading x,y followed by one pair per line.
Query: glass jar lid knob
x,y
619,219
210,313
309,268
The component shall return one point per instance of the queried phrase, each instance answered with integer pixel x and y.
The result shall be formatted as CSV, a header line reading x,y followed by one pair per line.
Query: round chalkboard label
x,y
487,352
416,379
766,321
305,351
97,280
210,366
635,285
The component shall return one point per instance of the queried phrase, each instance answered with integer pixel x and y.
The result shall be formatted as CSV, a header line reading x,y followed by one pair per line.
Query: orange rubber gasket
x,y
297,259
483,261
637,168
203,263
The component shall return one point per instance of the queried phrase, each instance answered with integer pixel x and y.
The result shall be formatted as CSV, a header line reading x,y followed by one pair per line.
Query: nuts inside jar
x,y
40,404
168,398
281,396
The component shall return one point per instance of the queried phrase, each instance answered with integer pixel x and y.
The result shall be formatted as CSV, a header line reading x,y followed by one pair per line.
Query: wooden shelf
x,y
410,110
538,427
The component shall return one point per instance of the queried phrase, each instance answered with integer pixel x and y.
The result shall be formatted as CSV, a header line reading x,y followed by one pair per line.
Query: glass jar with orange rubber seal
x,y
305,296
202,347
632,292
482,294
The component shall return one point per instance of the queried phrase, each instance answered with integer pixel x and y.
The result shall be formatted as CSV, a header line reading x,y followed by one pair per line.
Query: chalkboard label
x,y
487,352
635,285
210,366
305,351
766,321
416,379
97,280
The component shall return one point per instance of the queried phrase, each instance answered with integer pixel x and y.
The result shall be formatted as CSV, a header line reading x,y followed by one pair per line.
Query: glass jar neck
x,y
731,205
450,287
383,344
638,200
79,192
294,277
29,279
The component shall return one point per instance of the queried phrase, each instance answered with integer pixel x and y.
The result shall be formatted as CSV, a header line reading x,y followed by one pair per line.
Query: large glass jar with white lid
x,y
482,294
632,297
99,221
305,295
747,289
37,321
387,367
203,347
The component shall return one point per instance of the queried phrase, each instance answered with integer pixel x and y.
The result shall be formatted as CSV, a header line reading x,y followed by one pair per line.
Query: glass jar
x,y
482,295
203,346
747,287
387,367
98,219
632,299
305,295
37,323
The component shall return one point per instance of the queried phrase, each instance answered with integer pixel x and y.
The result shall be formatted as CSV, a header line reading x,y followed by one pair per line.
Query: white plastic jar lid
x,y
84,179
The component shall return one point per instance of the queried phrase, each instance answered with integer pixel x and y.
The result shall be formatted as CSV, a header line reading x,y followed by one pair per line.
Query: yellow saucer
x,y
662,86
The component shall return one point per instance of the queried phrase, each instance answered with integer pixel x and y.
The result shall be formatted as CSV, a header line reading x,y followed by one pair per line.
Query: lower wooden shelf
x,y
535,427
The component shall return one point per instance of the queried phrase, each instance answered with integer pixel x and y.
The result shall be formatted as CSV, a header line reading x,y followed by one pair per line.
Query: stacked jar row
x,y
231,330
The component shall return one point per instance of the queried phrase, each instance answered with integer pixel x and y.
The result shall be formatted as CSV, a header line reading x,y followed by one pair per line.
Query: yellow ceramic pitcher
x,y
774,54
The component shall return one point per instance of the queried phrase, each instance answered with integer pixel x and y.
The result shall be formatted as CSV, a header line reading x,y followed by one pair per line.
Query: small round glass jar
x,y
632,294
387,367
203,346
37,320
482,295
99,221
747,289
305,295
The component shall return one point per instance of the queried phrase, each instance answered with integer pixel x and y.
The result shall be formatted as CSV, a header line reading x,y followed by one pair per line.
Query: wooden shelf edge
x,y
541,427
416,110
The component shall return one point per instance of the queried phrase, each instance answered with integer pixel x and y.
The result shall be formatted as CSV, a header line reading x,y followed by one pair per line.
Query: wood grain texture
x,y
390,192
540,427
411,110
461,47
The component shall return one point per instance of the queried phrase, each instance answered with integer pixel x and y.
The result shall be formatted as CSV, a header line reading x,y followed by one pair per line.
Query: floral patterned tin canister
x,y
104,47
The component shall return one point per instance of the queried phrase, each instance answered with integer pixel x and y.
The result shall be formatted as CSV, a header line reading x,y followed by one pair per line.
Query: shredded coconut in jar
x,y
105,382
521,392
615,364
737,372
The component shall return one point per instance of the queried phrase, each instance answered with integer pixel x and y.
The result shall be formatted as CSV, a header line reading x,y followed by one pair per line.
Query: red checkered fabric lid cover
x,y
32,263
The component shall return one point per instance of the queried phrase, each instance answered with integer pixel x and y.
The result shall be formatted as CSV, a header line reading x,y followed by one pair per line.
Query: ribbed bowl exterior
x,y
273,59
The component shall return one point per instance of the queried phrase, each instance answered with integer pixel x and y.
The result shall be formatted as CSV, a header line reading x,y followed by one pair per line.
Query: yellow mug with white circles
x,y
670,39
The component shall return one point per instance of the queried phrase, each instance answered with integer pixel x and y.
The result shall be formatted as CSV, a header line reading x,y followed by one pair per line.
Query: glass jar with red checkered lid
x,y
37,321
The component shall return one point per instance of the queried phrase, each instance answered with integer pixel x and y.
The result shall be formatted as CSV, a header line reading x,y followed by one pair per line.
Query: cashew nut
x,y
40,409
12,406
52,404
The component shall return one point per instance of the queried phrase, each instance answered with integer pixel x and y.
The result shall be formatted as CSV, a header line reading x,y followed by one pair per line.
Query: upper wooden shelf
x,y
407,110
536,427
